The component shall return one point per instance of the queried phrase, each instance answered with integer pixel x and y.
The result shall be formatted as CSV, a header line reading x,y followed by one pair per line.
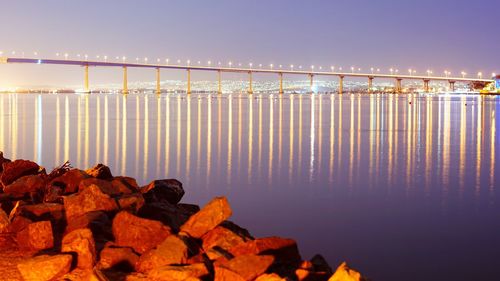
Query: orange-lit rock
x,y
218,241
173,250
224,274
18,223
4,221
43,211
69,181
90,199
283,249
17,169
345,273
169,190
140,234
131,202
45,268
36,236
98,222
85,275
24,186
100,171
104,185
124,258
270,277
211,215
178,272
125,185
82,243
247,267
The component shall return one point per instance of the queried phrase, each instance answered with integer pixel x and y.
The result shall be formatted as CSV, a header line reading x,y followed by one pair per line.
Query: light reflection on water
x,y
374,179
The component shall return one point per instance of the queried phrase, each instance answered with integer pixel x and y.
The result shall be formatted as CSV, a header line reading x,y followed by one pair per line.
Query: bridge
x,y
398,78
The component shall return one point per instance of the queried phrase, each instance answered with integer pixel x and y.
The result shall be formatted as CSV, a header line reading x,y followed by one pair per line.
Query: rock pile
x,y
91,225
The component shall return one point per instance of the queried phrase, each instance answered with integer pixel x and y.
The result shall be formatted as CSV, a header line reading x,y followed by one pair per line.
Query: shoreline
x,y
90,225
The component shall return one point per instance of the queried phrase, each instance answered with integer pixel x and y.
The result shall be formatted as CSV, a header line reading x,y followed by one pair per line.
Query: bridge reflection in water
x,y
385,137
316,155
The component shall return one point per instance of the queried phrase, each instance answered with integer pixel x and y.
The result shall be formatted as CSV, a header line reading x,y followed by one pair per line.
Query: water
x,y
402,187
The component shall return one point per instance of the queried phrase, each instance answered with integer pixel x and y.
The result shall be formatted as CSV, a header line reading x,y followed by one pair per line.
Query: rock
x,y
36,236
44,211
125,185
104,185
321,265
215,212
4,221
140,234
131,202
178,272
85,275
173,250
123,258
344,273
16,169
270,277
41,268
98,222
24,186
247,267
100,171
69,181
169,190
18,223
218,241
53,194
168,214
308,275
224,274
81,242
90,199
284,250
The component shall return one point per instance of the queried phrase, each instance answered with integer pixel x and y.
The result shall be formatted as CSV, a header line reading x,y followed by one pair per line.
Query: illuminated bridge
x,y
398,78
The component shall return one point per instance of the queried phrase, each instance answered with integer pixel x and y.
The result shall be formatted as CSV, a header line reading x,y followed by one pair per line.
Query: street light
x,y
392,71
167,60
66,56
271,66
480,75
371,69
352,69
463,74
332,68
291,67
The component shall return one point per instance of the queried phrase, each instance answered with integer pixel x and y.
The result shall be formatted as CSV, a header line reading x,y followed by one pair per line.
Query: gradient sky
x,y
438,34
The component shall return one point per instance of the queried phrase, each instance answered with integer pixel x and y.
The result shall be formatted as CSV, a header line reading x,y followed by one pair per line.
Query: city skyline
x,y
299,33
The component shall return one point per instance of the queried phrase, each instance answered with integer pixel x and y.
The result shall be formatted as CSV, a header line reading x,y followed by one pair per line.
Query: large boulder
x,y
125,185
178,272
69,181
248,267
98,222
104,185
45,268
169,190
218,241
172,215
44,211
81,242
131,202
36,236
100,171
123,258
173,250
283,249
24,186
90,199
214,213
138,233
345,273
16,169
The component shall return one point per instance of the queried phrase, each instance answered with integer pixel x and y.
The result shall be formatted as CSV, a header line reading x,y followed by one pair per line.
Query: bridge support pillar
x,y
158,88
219,74
125,81
341,84
188,91
426,85
250,89
399,88
86,88
370,84
311,85
281,83
452,86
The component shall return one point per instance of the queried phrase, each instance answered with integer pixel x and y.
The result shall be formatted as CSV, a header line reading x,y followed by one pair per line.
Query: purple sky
x,y
454,35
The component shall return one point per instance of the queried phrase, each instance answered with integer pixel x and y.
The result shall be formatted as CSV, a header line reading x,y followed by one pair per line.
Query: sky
x,y
454,35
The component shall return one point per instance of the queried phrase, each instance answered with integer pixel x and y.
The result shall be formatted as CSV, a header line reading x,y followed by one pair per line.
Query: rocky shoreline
x,y
73,224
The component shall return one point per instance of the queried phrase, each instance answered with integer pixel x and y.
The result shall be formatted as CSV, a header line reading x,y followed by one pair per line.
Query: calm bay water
x,y
403,187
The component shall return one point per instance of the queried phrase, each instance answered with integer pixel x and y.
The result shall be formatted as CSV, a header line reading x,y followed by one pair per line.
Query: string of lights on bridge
x,y
271,66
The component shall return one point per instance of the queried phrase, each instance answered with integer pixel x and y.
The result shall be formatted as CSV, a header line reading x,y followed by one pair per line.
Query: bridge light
x,y
105,58
188,62
281,66
493,74
300,66
371,69
480,75
1,53
392,71
260,65
35,53
178,61
352,69
124,58
332,68
312,67
271,66
340,68
463,74
86,57
250,64
167,60
291,67
66,56
378,69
